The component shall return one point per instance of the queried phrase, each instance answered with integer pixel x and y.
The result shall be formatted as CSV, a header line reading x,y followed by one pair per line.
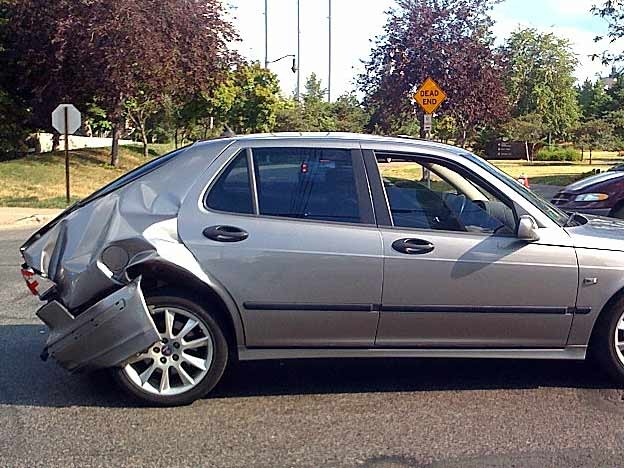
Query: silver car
x,y
296,246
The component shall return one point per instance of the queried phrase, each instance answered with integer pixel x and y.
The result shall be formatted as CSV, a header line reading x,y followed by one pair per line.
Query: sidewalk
x,y
15,218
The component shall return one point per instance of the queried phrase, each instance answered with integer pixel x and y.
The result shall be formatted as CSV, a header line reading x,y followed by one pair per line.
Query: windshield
x,y
547,208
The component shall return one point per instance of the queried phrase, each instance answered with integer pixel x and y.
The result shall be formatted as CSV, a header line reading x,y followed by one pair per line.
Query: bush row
x,y
557,153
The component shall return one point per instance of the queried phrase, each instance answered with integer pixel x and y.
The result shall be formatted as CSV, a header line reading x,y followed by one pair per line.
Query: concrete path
x,y
15,218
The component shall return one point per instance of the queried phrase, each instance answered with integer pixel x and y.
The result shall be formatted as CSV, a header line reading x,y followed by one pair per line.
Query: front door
x,y
455,275
289,232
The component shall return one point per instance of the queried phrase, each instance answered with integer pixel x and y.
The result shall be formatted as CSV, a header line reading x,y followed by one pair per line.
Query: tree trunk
x,y
144,138
175,138
115,146
590,155
56,141
526,150
582,153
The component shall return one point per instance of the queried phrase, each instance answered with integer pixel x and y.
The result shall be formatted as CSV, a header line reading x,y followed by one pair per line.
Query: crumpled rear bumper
x,y
105,335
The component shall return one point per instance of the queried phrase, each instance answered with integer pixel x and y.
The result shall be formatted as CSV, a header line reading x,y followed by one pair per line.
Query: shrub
x,y
557,153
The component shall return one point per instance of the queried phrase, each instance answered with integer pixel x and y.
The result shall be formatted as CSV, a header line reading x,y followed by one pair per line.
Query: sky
x,y
356,23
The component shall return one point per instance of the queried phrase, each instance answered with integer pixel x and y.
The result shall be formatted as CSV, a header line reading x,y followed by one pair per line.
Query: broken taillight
x,y
31,281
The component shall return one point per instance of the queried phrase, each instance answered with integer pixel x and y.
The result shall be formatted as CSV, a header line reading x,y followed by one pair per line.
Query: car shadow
x,y
27,381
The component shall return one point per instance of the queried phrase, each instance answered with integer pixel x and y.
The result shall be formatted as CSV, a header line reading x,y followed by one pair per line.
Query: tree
x,y
349,115
528,128
540,80
256,100
594,134
448,40
593,100
123,51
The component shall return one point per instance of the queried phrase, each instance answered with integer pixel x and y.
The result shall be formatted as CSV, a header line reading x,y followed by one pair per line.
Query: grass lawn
x,y
548,173
38,181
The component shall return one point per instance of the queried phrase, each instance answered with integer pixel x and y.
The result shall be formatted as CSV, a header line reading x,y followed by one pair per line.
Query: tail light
x,y
31,280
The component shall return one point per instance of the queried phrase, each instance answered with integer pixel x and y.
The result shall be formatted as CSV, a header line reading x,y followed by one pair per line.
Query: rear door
x,y
289,231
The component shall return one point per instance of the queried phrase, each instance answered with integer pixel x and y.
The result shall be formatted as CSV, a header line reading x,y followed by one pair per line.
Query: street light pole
x,y
266,33
329,72
298,92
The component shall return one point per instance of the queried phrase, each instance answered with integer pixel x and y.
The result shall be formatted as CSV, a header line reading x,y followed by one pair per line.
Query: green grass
x,y
38,181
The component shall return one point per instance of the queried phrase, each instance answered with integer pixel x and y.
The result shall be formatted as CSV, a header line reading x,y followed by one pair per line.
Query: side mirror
x,y
527,229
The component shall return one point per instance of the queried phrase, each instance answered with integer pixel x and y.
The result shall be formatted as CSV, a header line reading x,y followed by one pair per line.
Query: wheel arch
x,y
157,274
603,314
618,205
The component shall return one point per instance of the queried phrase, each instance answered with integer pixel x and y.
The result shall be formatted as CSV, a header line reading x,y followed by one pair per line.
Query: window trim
x,y
362,186
377,184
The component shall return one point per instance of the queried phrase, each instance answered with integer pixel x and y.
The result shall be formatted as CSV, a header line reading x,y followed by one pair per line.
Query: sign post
x,y
429,96
66,120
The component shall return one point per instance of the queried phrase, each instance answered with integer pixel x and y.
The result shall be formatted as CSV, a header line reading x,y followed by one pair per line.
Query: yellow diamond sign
x,y
429,96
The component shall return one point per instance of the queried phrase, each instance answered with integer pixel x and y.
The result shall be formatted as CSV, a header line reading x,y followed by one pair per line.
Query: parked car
x,y
295,246
600,194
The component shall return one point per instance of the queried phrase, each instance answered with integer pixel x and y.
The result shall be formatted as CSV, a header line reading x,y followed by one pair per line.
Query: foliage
x,y
255,100
593,99
557,153
529,128
315,114
449,40
540,80
122,50
613,12
594,134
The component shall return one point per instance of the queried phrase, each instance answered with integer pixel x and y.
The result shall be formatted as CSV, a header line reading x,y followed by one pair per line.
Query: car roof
x,y
339,136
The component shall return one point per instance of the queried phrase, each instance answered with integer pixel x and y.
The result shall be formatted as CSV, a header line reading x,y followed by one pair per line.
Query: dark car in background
x,y
600,194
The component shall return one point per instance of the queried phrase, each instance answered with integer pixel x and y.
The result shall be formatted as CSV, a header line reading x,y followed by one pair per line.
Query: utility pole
x,y
329,72
266,33
298,92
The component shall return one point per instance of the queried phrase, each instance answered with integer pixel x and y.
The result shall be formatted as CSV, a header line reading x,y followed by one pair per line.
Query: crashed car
x,y
295,246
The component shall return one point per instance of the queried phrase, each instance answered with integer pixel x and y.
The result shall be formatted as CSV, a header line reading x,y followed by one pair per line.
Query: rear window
x,y
232,192
304,183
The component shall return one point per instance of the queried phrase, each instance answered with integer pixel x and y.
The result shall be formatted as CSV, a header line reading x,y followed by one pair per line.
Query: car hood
x,y
598,233
593,180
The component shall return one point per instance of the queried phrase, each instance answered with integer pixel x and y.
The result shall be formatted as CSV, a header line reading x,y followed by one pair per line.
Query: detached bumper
x,y
105,335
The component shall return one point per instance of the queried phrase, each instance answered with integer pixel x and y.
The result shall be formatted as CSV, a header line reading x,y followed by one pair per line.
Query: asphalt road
x,y
371,413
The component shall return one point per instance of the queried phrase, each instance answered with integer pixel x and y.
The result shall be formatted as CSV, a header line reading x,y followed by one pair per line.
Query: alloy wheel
x,y
180,360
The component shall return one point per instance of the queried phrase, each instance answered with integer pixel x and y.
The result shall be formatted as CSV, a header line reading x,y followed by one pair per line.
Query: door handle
x,y
225,233
413,246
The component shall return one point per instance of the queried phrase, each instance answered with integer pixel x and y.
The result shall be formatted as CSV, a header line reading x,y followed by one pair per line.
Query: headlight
x,y
590,197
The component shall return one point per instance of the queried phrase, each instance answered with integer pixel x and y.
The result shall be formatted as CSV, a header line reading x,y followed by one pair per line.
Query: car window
x,y
232,191
306,183
427,195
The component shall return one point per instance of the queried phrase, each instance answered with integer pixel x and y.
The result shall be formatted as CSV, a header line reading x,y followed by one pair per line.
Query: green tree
x,y
540,80
593,99
530,129
256,100
594,134
348,114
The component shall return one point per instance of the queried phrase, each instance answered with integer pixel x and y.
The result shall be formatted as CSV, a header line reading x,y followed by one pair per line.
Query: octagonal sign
x,y
73,119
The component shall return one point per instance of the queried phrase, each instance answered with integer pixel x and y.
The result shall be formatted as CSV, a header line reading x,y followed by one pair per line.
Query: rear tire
x,y
607,345
188,362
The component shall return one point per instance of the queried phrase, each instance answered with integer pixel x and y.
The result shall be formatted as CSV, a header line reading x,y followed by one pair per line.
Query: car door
x,y
288,230
455,275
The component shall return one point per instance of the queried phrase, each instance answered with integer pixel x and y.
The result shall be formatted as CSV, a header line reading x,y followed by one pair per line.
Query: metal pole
x,y
266,33
329,73
67,155
298,92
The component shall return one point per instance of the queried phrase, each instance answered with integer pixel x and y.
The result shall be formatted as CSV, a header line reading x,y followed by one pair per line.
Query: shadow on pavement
x,y
27,381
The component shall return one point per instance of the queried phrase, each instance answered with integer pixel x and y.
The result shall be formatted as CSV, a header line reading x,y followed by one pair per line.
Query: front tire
x,y
187,363
607,345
